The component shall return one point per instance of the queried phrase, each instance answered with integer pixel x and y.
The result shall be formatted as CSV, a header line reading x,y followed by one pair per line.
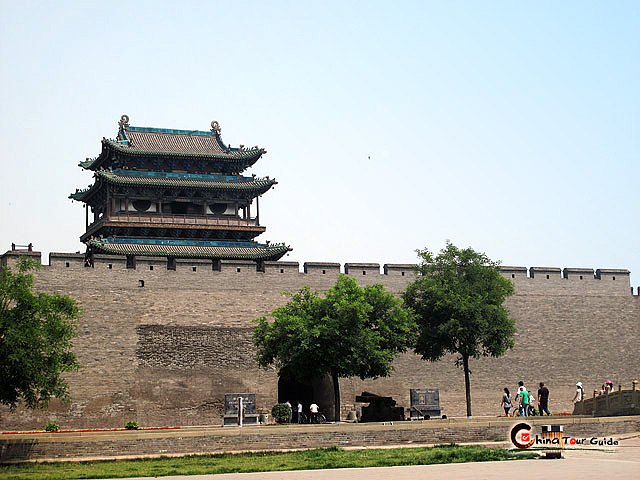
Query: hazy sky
x,y
510,127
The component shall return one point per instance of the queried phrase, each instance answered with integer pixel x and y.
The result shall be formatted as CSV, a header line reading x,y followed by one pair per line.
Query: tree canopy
x,y
350,331
35,339
458,299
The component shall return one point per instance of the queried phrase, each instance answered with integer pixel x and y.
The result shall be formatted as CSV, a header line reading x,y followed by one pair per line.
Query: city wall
x,y
162,347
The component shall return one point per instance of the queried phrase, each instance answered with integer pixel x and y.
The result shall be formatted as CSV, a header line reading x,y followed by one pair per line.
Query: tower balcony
x,y
173,220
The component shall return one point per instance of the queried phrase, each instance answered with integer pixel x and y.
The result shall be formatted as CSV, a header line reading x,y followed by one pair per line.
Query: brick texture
x,y
166,353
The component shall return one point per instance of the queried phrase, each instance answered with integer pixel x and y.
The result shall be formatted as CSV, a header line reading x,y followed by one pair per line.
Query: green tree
x,y
458,299
351,331
35,339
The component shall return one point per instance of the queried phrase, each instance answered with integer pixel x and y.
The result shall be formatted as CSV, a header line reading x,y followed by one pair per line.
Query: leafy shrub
x,y
281,412
52,427
132,425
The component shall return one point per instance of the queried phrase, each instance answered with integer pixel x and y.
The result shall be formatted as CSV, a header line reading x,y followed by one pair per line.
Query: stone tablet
x,y
231,403
425,403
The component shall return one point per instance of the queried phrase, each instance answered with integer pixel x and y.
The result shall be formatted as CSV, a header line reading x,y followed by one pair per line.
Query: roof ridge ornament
x,y
215,127
124,121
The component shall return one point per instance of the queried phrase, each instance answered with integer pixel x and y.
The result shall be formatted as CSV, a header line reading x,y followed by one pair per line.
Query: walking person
x,y
524,403
506,402
543,399
521,388
299,412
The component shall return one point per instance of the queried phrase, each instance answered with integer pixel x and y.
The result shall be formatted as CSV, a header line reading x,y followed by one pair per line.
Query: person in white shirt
x,y
299,412
579,393
314,413
288,404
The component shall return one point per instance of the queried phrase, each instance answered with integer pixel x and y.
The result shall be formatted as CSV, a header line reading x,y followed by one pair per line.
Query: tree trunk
x,y
336,397
467,384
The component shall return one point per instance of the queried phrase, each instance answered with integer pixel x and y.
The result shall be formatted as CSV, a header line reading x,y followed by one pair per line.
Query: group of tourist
x,y
524,400
313,411
607,387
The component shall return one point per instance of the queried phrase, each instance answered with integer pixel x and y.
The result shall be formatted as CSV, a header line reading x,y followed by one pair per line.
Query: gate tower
x,y
175,194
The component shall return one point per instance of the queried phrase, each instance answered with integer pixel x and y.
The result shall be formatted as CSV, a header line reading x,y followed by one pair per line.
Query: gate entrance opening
x,y
318,390
295,391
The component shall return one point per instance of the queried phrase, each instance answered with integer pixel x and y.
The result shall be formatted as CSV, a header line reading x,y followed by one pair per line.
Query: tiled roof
x,y
171,142
189,180
189,249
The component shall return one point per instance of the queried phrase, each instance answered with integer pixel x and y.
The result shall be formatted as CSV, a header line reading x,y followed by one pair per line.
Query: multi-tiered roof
x,y
175,193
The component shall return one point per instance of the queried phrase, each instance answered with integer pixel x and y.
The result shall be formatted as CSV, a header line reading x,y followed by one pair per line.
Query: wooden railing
x,y
174,219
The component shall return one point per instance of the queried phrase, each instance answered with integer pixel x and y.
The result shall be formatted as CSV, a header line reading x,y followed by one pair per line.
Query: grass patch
x,y
333,457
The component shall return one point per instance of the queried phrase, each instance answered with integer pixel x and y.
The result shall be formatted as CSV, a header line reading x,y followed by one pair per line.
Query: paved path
x,y
622,462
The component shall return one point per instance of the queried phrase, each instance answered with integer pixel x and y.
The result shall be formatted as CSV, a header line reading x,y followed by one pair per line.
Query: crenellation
x,y
10,258
282,268
323,268
612,274
399,269
561,281
72,261
238,266
545,272
109,262
513,272
361,269
578,274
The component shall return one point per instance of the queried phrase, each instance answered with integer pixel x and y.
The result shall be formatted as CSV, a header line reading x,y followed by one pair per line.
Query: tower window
x,y
402,273
131,262
282,270
238,270
141,283
171,263
67,264
194,269
110,266
364,272
150,267
324,271
547,277
513,275
580,277
614,278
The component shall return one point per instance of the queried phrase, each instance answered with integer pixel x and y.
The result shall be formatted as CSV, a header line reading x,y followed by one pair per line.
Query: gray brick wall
x,y
166,353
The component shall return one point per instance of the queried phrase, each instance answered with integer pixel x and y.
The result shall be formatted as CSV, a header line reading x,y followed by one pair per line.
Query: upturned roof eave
x,y
259,187
269,253
243,157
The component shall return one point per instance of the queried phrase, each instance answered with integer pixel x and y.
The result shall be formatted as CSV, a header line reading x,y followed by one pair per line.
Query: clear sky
x,y
510,127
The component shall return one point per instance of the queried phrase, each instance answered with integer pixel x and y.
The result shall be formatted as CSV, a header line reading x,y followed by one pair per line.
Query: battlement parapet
x,y
10,258
322,268
577,273
603,273
605,280
281,267
549,272
361,268
399,269
514,272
